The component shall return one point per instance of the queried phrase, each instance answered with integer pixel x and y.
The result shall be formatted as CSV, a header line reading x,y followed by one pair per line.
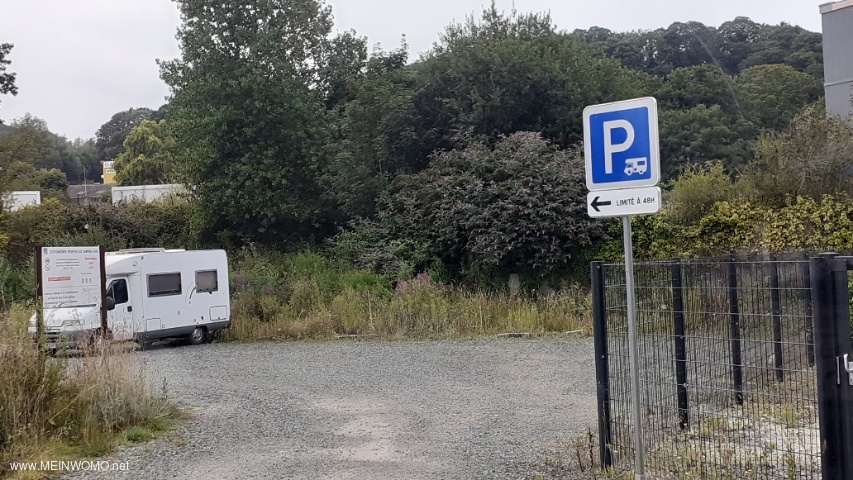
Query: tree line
x,y
467,156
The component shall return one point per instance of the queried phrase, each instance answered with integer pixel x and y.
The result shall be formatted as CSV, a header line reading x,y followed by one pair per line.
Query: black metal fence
x,y
727,368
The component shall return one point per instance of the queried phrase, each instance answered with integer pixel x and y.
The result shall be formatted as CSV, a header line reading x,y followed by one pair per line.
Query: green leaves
x,y
812,157
703,134
110,137
247,109
732,47
517,208
151,156
774,94
7,80
504,74
372,144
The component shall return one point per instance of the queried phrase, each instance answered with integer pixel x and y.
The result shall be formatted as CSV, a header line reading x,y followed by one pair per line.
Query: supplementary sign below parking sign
x,y
621,147
619,203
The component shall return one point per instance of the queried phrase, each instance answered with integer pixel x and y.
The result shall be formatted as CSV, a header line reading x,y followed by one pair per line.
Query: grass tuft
x,y
68,407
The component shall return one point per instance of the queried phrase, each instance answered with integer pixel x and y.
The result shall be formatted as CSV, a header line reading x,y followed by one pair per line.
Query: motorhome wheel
x,y
198,336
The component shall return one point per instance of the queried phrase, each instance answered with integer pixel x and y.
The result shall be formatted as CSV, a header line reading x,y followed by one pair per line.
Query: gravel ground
x,y
364,410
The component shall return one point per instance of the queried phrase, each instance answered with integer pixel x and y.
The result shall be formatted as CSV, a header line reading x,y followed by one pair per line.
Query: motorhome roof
x,y
122,261
140,250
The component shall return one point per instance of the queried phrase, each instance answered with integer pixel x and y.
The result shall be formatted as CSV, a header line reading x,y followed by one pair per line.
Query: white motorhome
x,y
151,294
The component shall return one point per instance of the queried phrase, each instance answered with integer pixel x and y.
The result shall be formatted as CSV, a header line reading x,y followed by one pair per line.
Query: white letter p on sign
x,y
609,147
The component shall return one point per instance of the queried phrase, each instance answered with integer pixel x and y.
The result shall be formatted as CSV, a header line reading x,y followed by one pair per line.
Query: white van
x,y
151,294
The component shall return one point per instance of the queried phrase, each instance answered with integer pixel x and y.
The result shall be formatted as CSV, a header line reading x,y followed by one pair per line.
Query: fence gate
x,y
744,367
834,350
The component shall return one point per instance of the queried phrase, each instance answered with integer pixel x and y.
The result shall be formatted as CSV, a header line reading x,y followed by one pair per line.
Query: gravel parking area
x,y
364,410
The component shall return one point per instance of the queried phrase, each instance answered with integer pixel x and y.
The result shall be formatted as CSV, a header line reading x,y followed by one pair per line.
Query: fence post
x,y
777,318
734,315
809,317
826,359
602,367
680,345
844,347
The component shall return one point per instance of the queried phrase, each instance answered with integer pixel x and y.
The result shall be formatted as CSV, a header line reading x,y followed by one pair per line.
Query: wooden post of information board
x,y
104,325
39,315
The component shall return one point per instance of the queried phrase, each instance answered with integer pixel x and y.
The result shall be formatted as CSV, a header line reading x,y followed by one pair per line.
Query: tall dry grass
x,y
57,408
420,309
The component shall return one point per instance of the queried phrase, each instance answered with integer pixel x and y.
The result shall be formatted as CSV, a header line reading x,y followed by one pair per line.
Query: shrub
x,y
696,190
17,283
801,224
515,207
114,226
384,246
810,158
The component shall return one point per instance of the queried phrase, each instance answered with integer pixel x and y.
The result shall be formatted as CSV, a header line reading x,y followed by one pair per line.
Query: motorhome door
x,y
120,319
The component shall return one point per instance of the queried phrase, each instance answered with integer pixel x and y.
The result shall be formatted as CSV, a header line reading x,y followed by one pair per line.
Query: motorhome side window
x,y
163,284
206,281
118,290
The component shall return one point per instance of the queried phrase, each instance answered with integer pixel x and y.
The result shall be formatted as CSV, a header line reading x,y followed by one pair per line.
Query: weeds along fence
x,y
726,359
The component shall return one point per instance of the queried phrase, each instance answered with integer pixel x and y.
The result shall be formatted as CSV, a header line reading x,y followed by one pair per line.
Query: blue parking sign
x,y
621,147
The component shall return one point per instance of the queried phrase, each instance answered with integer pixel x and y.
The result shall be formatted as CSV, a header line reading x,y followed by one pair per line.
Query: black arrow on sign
x,y
596,204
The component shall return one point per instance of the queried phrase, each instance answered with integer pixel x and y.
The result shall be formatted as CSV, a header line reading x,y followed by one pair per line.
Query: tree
x,y
735,46
774,94
20,148
812,157
737,40
703,134
517,207
28,141
508,73
688,87
7,80
683,45
248,98
376,130
347,60
77,159
151,156
628,48
110,137
788,45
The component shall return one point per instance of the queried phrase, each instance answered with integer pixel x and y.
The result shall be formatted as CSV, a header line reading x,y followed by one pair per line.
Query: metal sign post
x,y
622,157
633,347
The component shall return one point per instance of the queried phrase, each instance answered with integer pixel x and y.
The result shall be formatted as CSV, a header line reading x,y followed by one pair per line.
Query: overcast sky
x,y
80,61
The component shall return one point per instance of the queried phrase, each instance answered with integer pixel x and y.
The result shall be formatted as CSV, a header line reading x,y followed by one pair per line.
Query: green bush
x,y
810,158
515,207
114,226
17,283
696,190
801,224
384,246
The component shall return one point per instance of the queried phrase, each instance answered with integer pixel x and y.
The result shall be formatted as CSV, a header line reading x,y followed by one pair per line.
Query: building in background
x,y
91,194
148,193
14,201
838,56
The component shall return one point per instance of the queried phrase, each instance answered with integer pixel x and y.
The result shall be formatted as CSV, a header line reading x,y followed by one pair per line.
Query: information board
x,y
70,276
